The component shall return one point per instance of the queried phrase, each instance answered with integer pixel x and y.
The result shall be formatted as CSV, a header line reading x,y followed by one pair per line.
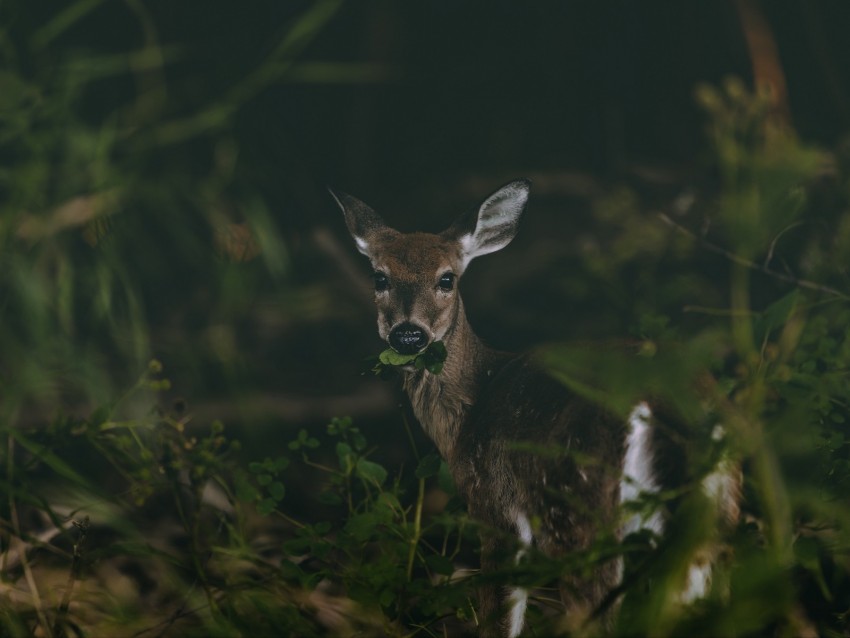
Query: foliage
x,y
373,566
771,367
131,216
133,224
430,359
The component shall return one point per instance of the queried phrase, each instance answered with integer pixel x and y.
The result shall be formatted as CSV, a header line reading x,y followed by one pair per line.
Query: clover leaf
x,y
430,359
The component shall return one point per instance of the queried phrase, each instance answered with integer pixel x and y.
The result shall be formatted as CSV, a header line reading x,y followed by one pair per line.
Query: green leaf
x,y
392,358
303,439
344,453
329,498
362,526
100,415
264,479
321,549
428,466
245,491
440,564
297,546
436,367
388,502
277,490
445,480
778,313
807,551
358,440
369,471
51,460
266,506
338,425
289,570
433,357
430,359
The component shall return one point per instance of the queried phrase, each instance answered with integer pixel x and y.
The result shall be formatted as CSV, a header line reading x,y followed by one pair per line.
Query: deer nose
x,y
407,338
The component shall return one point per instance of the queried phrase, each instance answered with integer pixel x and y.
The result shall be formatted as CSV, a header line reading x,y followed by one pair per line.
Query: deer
x,y
485,401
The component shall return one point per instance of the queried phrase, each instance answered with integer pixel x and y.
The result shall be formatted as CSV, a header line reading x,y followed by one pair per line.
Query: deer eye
x,y
381,281
447,282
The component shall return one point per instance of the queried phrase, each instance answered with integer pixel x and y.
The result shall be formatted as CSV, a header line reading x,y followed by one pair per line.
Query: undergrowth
x,y
134,519
235,563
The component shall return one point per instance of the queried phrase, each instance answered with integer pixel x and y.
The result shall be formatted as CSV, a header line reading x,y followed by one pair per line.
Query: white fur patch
x,y
523,528
699,583
720,486
518,599
467,250
518,602
638,474
362,245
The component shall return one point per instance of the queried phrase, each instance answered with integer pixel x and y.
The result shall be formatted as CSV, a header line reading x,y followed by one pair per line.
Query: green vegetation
x,y
137,227
430,359
771,367
241,564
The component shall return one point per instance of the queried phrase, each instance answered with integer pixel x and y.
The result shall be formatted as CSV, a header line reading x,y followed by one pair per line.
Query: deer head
x,y
416,274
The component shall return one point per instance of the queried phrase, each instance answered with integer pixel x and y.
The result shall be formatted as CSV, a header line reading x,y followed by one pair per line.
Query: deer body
x,y
484,403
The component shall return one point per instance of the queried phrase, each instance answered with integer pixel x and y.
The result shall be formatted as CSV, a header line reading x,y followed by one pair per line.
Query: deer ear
x,y
361,220
494,225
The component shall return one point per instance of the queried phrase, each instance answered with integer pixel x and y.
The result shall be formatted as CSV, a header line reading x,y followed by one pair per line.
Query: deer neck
x,y
441,402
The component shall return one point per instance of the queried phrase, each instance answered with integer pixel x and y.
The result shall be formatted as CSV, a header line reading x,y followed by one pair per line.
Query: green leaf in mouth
x,y
430,359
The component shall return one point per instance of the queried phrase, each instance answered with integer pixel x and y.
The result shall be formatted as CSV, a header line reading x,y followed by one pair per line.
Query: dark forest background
x,y
163,174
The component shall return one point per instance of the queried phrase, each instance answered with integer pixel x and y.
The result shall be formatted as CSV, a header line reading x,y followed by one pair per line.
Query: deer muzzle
x,y
408,338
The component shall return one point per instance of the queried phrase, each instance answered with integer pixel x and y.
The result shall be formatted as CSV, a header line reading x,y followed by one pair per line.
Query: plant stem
x,y
410,436
417,529
22,550
741,314
772,492
199,563
769,483
76,566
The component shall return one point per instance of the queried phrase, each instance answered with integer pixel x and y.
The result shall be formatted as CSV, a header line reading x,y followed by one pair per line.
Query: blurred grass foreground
x,y
145,269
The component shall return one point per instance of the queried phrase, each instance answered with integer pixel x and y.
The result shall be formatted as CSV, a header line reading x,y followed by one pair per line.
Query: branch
x,y
742,261
76,566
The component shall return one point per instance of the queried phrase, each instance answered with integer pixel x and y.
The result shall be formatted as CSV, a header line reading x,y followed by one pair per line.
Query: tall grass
x,y
128,230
